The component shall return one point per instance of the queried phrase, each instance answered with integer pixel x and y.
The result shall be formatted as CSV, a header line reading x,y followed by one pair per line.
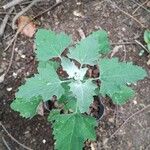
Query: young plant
x,y
71,126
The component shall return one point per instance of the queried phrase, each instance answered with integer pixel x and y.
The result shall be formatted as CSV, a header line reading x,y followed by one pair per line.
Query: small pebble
x,y
111,120
77,13
141,52
148,62
79,3
44,141
9,89
58,1
123,29
28,73
16,49
14,74
134,102
23,56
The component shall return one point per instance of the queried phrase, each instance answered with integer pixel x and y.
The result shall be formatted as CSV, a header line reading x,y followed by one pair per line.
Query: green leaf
x,y
68,100
72,130
53,115
50,44
147,36
88,49
122,95
72,70
54,64
148,46
102,37
45,84
84,93
114,75
27,109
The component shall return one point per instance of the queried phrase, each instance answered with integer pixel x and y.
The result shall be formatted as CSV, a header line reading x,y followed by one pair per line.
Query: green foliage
x,y
147,39
27,109
72,70
87,50
50,44
122,95
74,92
115,75
84,93
68,100
45,84
72,130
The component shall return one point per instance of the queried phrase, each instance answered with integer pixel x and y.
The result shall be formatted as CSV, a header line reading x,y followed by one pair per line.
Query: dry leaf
x,y
40,109
77,13
115,50
26,26
81,33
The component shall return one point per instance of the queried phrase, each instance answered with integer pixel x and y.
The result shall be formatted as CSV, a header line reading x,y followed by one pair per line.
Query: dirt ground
x,y
70,16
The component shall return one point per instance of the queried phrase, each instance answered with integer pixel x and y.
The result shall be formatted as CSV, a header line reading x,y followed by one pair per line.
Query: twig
x,y
22,12
5,143
139,43
9,35
11,42
50,8
4,22
143,26
11,59
11,4
22,145
124,43
139,7
6,13
134,114
125,54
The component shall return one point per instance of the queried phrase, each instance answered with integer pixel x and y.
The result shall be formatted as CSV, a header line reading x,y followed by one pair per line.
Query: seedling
x,y
71,124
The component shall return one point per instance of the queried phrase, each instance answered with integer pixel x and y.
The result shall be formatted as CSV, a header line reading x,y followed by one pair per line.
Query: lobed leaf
x,y
72,130
88,49
103,43
115,75
84,93
45,84
27,109
50,44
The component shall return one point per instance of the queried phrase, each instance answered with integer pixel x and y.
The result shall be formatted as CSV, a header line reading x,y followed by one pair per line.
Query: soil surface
x,y
71,16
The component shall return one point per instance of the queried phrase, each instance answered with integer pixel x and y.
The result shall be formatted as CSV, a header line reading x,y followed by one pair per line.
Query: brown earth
x,y
89,15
